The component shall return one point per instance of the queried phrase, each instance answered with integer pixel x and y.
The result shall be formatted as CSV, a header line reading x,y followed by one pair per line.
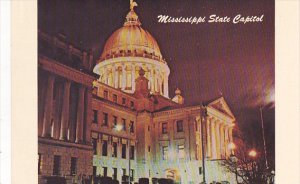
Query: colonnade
x,y
66,109
219,135
122,76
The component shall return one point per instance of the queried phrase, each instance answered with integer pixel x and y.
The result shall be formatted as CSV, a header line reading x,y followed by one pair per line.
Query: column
x,y
89,115
48,107
222,141
208,151
230,134
123,77
57,109
226,141
42,87
80,115
133,77
115,76
217,129
65,111
151,79
155,80
230,137
213,140
159,84
166,87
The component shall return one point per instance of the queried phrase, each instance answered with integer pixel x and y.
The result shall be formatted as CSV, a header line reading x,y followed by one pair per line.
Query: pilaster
x,y
80,115
65,111
48,107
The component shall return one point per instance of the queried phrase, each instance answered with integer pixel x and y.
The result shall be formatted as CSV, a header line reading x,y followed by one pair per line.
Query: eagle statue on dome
x,y
132,4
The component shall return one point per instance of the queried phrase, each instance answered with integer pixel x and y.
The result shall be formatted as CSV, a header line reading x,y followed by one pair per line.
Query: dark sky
x,y
204,59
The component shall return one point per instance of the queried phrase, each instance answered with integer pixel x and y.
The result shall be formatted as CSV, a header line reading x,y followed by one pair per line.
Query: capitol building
x,y
113,116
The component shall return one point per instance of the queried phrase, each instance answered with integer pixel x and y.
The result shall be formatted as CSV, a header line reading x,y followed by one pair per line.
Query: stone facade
x,y
64,115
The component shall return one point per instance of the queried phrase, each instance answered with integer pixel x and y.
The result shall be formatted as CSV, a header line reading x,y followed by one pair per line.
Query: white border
x,y
5,92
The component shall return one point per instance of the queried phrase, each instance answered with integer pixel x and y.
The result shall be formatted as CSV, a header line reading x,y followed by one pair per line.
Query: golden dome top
x,y
131,40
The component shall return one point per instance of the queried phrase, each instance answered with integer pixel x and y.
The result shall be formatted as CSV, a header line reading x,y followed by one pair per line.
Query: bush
x,y
144,181
105,180
115,182
56,180
165,181
154,180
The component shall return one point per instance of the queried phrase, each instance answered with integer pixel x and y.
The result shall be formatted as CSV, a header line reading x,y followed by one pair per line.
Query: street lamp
x,y
263,135
118,128
129,148
252,153
231,147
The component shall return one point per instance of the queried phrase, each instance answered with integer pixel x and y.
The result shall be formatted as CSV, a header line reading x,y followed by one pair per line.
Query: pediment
x,y
221,106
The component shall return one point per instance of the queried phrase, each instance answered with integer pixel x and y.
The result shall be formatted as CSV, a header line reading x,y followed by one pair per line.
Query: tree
x,y
249,166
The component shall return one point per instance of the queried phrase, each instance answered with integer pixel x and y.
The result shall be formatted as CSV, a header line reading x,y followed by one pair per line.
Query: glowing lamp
x,y
118,127
231,146
252,153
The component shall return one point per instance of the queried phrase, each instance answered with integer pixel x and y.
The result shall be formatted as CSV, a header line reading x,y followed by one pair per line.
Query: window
x,y
179,126
200,170
131,127
115,150
115,98
164,128
131,175
73,165
131,104
115,174
123,101
123,174
115,121
56,165
94,170
95,120
104,148
105,119
132,152
165,152
105,94
104,171
149,148
148,128
123,150
94,142
181,153
40,163
124,124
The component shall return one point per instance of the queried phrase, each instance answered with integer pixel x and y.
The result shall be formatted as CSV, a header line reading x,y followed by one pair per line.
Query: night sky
x,y
205,60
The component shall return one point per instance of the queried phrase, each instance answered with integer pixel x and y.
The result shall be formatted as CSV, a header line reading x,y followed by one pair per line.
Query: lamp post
x,y
252,154
202,121
263,135
118,128
129,148
231,147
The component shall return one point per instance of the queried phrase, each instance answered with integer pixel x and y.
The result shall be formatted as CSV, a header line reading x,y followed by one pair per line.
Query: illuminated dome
x,y
131,39
126,51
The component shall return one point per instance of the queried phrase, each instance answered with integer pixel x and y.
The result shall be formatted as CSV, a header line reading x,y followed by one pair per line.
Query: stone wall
x,y
84,157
